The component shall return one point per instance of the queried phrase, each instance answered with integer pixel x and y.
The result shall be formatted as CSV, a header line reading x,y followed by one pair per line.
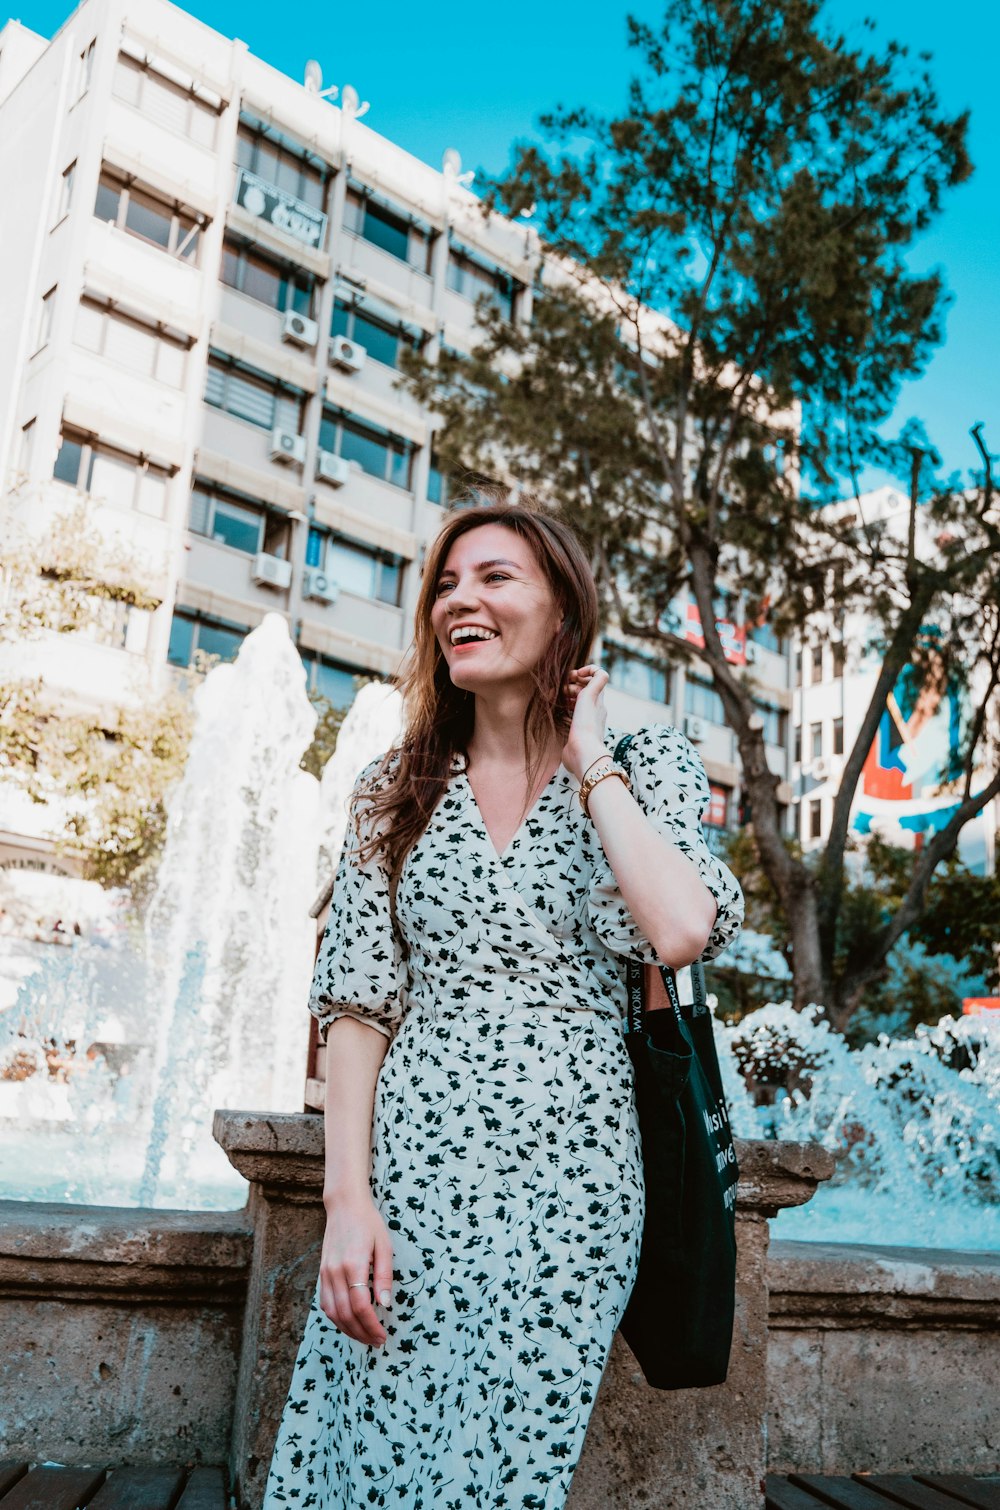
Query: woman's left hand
x,y
585,741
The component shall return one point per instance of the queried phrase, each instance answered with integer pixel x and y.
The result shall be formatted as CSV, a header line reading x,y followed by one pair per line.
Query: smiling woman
x,y
483,1170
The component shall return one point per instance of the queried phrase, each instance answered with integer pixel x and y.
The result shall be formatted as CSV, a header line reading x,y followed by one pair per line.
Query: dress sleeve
x,y
670,785
360,971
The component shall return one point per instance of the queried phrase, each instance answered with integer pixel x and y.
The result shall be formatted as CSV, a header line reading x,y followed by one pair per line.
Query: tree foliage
x,y
724,321
103,776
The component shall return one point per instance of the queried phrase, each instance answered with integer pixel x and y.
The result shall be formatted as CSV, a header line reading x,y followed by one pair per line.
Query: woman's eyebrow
x,y
482,566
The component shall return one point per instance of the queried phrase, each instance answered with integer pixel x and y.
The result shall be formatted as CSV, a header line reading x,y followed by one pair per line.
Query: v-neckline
x,y
501,855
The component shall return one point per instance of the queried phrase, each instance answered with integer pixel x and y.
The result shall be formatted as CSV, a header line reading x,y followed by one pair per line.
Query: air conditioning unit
x,y
299,328
332,469
318,584
271,571
694,728
820,768
752,653
287,446
350,355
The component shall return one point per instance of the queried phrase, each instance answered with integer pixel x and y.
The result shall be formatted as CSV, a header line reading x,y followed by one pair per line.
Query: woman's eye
x,y
501,574
442,585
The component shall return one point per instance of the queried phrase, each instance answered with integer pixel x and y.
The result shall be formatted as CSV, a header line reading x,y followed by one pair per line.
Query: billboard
x,y
904,794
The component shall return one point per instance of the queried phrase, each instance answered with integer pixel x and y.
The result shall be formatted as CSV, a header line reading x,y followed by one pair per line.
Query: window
x,y
110,475
65,191
816,655
279,285
382,340
472,279
764,635
798,667
393,230
27,447
838,736
702,700
775,723
331,679
294,171
45,318
238,522
357,568
148,218
109,333
252,395
838,657
797,754
191,631
378,452
86,68
815,741
815,818
117,624
165,102
637,674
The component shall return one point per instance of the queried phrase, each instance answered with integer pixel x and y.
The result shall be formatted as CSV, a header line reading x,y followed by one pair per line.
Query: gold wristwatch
x,y
598,771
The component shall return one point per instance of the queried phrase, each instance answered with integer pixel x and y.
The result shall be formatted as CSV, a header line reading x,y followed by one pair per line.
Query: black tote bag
x,y
679,1317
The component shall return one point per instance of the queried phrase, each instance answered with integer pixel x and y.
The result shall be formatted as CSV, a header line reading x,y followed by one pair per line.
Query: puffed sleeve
x,y
670,785
360,971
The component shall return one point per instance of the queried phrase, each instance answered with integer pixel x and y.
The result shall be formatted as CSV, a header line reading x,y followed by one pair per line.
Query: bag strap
x,y
636,971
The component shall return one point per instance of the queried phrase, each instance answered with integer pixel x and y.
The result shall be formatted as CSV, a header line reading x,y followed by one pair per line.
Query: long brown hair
x,y
395,807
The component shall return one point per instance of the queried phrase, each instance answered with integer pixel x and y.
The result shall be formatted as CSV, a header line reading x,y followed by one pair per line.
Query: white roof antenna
x,y
314,82
351,104
451,167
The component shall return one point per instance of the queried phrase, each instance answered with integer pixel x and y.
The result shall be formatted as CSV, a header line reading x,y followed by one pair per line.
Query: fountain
x,y
115,1052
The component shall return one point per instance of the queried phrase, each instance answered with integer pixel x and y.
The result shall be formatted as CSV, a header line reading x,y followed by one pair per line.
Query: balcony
x,y
363,260
226,570
165,285
161,159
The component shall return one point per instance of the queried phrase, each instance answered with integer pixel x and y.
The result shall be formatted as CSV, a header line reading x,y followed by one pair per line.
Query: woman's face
x,y
494,613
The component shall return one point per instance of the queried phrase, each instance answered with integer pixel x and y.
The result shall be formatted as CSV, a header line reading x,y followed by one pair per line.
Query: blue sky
x,y
475,77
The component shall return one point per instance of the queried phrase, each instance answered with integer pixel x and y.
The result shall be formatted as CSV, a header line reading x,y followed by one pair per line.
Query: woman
x,y
484,1188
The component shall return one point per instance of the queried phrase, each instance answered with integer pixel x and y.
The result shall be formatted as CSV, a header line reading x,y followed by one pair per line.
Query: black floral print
x,y
505,1150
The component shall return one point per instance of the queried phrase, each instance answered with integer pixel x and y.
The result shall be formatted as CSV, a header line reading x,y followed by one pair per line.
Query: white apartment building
x,y
214,272
900,794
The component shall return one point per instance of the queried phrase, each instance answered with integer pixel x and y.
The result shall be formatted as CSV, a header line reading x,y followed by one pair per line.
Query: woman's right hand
x,y
356,1243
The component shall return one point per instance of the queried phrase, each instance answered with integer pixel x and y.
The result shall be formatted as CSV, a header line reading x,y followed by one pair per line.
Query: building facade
x,y
215,273
903,794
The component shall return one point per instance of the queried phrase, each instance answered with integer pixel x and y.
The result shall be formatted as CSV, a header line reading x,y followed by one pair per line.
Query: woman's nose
x,y
462,595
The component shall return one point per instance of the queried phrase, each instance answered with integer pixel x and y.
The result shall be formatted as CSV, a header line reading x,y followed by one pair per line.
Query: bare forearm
x,y
353,1059
661,887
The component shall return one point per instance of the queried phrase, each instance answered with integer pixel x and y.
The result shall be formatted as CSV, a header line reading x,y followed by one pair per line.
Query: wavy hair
x,y
392,809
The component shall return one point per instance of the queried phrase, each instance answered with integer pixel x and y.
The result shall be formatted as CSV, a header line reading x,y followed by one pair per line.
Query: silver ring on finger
x,y
359,1285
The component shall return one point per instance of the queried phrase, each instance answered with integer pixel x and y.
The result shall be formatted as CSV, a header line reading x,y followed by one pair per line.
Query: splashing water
x,y
115,1053
914,1123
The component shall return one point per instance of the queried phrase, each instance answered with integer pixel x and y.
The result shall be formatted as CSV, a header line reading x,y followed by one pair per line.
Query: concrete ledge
x,y
835,1285
139,1257
879,1358
121,1332
284,1151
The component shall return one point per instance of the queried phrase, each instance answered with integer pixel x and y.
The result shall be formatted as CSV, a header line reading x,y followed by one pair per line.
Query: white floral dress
x,y
505,1150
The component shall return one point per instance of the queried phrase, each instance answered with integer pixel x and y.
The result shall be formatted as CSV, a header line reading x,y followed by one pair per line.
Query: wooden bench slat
x,y
909,1492
779,1494
54,1489
205,1490
10,1472
841,1493
983,1494
139,1489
